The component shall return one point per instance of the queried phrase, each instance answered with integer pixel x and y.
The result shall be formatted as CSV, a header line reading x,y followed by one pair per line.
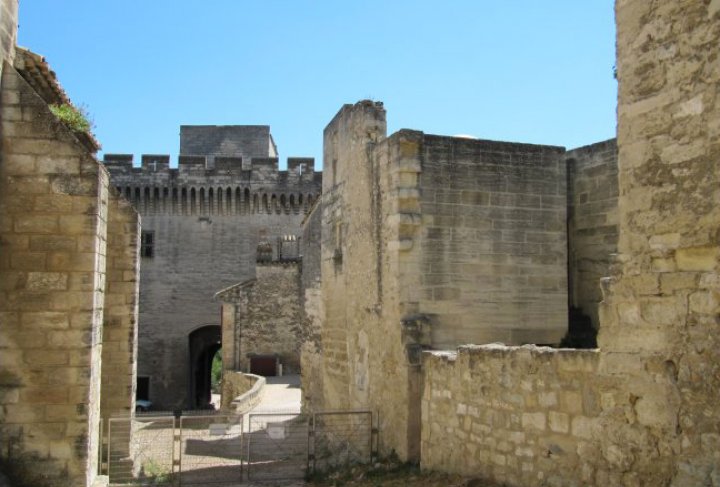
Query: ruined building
x,y
429,242
68,282
205,223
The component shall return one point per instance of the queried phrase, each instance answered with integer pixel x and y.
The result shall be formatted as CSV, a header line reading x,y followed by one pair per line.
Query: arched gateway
x,y
203,344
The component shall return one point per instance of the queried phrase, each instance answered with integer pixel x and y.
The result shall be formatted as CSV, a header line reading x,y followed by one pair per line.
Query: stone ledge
x,y
248,400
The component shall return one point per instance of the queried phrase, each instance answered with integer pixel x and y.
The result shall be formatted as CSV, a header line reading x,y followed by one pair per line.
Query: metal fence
x,y
211,450
141,450
221,449
340,439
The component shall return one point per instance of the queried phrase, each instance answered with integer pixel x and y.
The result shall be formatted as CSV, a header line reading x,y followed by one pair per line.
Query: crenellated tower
x,y
202,225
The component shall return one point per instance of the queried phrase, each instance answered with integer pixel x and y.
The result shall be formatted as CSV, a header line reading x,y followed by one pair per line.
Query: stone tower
x,y
202,224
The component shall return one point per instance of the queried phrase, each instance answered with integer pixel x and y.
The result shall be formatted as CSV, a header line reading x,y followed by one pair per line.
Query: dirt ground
x,y
393,475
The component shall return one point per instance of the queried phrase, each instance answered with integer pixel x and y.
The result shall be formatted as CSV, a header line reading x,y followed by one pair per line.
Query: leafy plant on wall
x,y
75,118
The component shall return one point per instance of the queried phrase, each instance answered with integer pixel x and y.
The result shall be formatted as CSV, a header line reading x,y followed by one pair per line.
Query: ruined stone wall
x,y
592,222
53,217
492,246
526,416
206,225
642,410
364,357
431,241
120,313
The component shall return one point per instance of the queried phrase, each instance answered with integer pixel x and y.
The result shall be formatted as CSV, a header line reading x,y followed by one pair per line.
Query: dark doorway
x,y
265,365
204,343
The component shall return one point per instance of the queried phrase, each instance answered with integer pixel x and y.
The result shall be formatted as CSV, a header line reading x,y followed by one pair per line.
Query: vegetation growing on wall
x,y
76,119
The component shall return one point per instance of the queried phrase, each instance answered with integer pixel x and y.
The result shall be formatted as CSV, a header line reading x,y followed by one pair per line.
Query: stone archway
x,y
204,342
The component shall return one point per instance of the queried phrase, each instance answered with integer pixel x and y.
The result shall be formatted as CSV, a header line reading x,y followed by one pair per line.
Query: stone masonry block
x,y
45,357
47,281
536,421
705,302
45,320
34,223
698,258
27,260
559,422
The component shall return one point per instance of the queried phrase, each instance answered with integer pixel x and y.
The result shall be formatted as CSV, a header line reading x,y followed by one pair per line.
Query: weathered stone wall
x,y
207,222
268,317
664,302
8,30
120,313
641,410
525,416
235,384
53,217
311,354
492,244
592,222
364,362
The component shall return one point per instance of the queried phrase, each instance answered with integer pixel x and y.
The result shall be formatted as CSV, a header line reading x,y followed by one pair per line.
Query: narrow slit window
x,y
147,244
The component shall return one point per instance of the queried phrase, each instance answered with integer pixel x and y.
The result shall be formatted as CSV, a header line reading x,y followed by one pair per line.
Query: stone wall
x,y
664,301
53,226
492,243
592,222
267,316
8,30
245,141
235,384
363,357
430,241
641,410
206,222
120,313
311,353
487,412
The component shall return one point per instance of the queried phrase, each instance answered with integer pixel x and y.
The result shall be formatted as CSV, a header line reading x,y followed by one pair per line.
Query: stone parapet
x,y
241,392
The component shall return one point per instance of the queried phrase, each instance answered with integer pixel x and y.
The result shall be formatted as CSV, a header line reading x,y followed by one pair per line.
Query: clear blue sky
x,y
518,70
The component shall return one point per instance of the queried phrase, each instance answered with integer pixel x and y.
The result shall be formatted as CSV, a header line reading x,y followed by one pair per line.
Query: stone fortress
x,y
418,245
429,243
203,223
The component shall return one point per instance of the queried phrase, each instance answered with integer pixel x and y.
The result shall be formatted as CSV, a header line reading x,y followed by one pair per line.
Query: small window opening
x,y
142,392
147,247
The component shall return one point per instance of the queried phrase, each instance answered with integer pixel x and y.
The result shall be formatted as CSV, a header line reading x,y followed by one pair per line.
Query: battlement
x,y
258,169
215,185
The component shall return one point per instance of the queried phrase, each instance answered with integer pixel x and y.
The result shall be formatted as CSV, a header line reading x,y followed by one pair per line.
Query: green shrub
x,y
216,372
76,119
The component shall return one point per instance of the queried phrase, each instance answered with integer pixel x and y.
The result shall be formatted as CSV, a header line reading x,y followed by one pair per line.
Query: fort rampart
x,y
226,187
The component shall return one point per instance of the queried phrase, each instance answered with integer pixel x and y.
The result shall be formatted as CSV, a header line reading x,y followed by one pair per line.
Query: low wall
x,y
241,392
530,416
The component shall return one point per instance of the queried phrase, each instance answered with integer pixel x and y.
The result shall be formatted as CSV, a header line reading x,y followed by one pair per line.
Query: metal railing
x,y
205,448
